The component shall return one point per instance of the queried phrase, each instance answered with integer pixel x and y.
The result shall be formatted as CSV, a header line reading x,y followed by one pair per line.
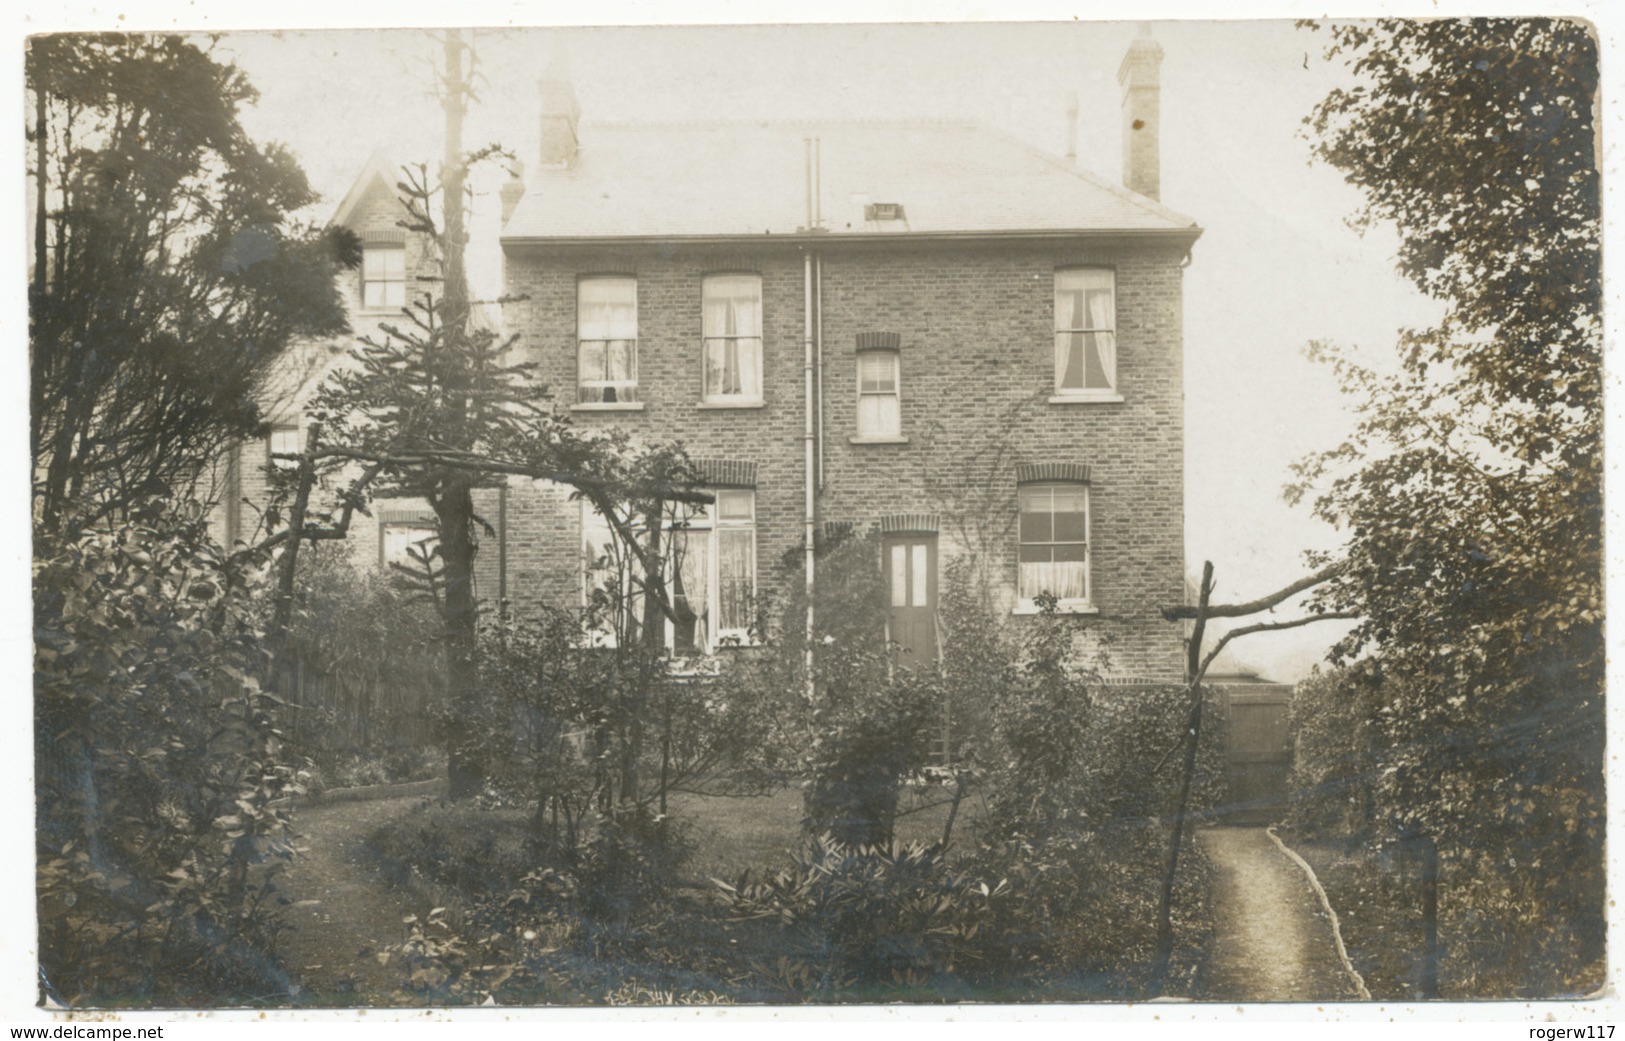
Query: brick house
x,y
925,329
994,337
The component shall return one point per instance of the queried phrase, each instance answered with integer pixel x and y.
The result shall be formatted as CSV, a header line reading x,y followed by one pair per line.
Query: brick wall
x,y
976,333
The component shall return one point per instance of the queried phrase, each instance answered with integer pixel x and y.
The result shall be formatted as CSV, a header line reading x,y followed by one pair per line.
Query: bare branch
x,y
1263,603
1266,627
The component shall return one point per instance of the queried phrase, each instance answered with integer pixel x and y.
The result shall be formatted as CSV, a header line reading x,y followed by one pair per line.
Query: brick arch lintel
x,y
727,473
1075,473
921,523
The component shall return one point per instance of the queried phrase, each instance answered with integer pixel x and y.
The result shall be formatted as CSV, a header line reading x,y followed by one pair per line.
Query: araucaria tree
x,y
1471,490
166,275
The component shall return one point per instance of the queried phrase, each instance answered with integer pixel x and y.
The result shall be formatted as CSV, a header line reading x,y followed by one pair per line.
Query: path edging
x,y
1326,905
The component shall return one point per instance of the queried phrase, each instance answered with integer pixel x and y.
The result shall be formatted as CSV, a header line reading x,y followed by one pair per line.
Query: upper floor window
x,y
732,325
285,440
879,408
1054,551
607,340
383,277
1085,333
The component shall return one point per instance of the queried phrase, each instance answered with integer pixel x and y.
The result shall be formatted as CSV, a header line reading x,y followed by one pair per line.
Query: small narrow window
x,y
285,440
607,340
1054,532
879,408
383,277
732,326
1085,332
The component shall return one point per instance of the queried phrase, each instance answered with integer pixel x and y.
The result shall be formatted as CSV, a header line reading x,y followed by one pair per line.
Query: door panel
x,y
911,580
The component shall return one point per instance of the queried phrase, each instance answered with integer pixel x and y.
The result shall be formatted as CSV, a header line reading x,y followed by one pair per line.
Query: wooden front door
x,y
1259,754
911,590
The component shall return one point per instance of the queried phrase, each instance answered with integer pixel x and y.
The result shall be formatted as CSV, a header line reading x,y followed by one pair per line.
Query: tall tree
x,y
167,276
1471,489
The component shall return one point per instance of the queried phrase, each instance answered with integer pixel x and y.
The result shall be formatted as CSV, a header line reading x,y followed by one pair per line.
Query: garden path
x,y
345,910
1273,941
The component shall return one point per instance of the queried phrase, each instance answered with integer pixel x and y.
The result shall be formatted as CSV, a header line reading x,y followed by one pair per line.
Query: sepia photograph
x,y
936,513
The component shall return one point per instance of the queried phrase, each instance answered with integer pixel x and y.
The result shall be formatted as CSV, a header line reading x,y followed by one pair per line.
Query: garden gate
x,y
1258,752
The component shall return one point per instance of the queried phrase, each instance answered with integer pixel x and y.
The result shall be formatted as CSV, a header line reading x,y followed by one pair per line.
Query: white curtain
x,y
1085,330
607,328
731,315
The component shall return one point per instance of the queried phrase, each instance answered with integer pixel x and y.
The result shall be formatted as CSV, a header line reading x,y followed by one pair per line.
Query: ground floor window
x,y
708,556
1054,552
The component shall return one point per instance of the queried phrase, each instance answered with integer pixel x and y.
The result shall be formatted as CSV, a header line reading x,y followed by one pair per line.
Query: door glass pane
x,y
920,587
899,576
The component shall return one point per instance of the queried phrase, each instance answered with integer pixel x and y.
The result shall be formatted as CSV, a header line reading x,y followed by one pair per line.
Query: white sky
x,y
1275,268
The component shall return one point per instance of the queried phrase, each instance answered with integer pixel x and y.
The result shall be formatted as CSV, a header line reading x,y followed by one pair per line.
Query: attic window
x,y
875,211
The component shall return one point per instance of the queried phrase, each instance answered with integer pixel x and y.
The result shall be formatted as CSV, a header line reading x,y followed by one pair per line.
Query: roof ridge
x,y
1127,194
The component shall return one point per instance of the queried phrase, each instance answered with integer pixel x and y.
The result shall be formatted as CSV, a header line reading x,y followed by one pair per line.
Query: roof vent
x,y
883,211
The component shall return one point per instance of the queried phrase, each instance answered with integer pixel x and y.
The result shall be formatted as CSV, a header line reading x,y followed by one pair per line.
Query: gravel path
x,y
345,911
1272,941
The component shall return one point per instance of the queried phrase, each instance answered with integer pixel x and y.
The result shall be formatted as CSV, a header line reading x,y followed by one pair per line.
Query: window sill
x,y
607,406
887,439
711,406
1065,607
1092,398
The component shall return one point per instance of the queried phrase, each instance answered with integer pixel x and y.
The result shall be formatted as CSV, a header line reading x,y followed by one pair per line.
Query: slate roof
x,y
748,179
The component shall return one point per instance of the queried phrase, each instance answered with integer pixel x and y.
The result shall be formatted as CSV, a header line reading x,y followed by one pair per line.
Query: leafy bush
x,y
631,863
365,667
878,916
1334,757
158,759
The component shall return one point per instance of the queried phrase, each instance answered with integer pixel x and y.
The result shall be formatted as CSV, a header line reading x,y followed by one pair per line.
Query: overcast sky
x,y
1276,266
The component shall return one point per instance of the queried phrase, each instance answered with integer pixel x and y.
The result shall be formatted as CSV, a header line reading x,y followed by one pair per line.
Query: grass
x,y
733,833
1378,913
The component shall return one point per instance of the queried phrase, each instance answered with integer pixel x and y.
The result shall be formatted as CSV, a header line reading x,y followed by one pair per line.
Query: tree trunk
x,y
454,500
1193,737
454,510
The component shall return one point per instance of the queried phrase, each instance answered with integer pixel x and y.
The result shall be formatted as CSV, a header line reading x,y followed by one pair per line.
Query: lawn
x,y
732,833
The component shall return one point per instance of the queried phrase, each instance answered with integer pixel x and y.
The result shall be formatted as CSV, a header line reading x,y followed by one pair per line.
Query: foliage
x,y
867,915
870,724
361,662
1336,756
158,759
551,728
167,277
867,741
1471,490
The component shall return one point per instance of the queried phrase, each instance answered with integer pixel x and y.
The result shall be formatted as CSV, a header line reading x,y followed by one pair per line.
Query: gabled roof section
x,y
379,169
748,179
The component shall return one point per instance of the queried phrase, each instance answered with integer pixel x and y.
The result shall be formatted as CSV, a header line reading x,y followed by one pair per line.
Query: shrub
x,y
847,916
158,759
1334,757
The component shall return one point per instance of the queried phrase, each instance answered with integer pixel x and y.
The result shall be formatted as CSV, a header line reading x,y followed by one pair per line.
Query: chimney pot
x,y
1140,77
561,115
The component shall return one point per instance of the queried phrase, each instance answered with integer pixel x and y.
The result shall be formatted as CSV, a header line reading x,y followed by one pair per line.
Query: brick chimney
x,y
513,189
560,116
1140,77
